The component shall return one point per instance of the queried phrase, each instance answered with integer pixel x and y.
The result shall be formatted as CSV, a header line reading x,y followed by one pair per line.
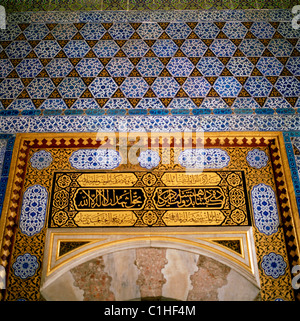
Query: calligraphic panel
x,y
70,186
148,199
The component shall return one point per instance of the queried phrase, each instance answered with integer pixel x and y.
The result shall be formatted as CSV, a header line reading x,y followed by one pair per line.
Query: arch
x,y
175,248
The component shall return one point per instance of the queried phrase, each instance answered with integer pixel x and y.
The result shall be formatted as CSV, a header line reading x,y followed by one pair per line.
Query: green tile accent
x,y
87,5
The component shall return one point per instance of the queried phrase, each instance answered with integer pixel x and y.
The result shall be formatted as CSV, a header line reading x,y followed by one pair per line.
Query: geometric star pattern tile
x,y
243,63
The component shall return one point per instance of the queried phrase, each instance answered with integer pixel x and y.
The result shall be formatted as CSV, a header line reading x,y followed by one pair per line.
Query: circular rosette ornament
x,y
149,179
149,218
25,266
41,159
257,158
273,265
149,159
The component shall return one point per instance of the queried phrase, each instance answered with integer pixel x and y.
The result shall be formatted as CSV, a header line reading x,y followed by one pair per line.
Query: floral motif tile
x,y
29,68
180,67
103,87
5,68
134,87
227,86
18,49
149,30
135,48
71,87
210,66
150,67
106,48
164,48
223,47
76,49
269,66
119,67
241,65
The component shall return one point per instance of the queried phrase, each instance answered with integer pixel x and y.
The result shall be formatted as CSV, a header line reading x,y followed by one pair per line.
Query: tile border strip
x,y
150,15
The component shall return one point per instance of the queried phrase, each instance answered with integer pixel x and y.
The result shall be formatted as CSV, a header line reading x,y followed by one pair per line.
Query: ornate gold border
x,y
285,187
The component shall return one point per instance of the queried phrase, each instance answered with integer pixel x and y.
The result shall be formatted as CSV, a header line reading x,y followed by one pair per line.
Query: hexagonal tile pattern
x,y
134,87
10,33
227,86
36,31
47,49
18,49
262,30
193,47
10,88
119,67
180,67
150,67
5,67
210,66
280,47
293,65
240,66
29,68
287,31
258,86
58,68
165,87
223,47
76,49
288,86
106,48
135,48
269,66
121,31
164,48
196,86
178,30
40,88
92,31
64,31
206,30
89,67
234,30
149,30
71,87
251,47
174,60
103,87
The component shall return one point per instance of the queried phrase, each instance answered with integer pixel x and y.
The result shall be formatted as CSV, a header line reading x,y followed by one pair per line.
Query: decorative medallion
x,y
257,158
33,210
95,159
149,159
265,209
204,158
273,265
41,159
25,266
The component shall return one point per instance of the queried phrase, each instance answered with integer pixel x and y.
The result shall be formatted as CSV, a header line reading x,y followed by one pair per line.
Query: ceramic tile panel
x,y
230,63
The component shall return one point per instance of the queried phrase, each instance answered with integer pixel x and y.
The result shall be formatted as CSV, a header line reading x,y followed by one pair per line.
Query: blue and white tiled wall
x,y
89,71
